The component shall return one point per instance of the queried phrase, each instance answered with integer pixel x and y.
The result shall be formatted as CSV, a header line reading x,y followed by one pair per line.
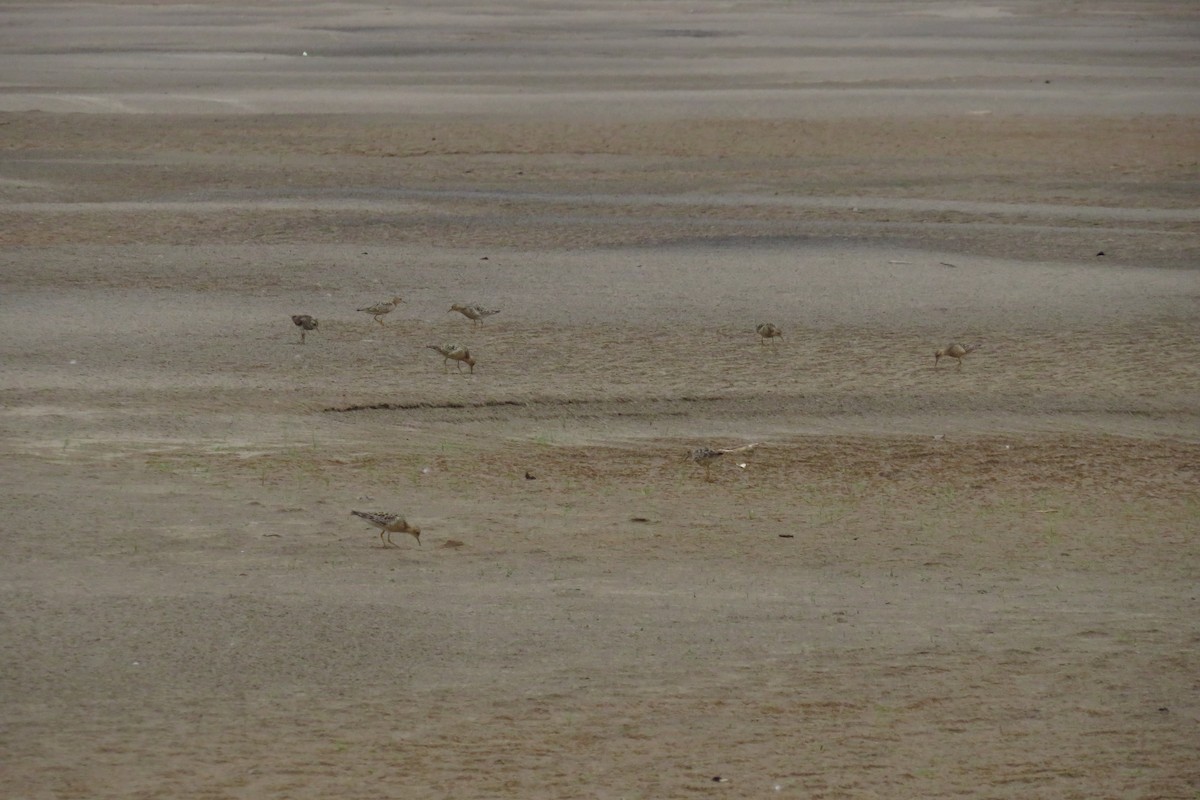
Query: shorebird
x,y
954,350
305,323
454,352
389,524
704,456
476,314
768,330
380,309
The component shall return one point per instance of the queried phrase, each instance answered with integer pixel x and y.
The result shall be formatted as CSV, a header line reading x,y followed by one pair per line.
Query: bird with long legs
x,y
380,310
768,330
955,351
456,353
389,524
477,314
305,323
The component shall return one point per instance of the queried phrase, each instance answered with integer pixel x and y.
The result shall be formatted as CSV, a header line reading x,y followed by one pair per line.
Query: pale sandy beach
x,y
926,582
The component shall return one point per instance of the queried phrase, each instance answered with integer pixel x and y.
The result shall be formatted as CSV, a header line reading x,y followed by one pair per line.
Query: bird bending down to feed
x,y
305,323
476,314
380,309
704,456
389,524
956,351
768,330
454,352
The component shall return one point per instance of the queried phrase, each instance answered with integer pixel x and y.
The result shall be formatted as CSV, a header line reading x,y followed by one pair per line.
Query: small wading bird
x,y
454,352
389,524
381,309
704,456
956,351
305,323
768,330
477,314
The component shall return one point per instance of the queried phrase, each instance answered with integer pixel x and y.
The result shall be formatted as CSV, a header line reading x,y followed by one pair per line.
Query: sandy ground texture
x,y
933,582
